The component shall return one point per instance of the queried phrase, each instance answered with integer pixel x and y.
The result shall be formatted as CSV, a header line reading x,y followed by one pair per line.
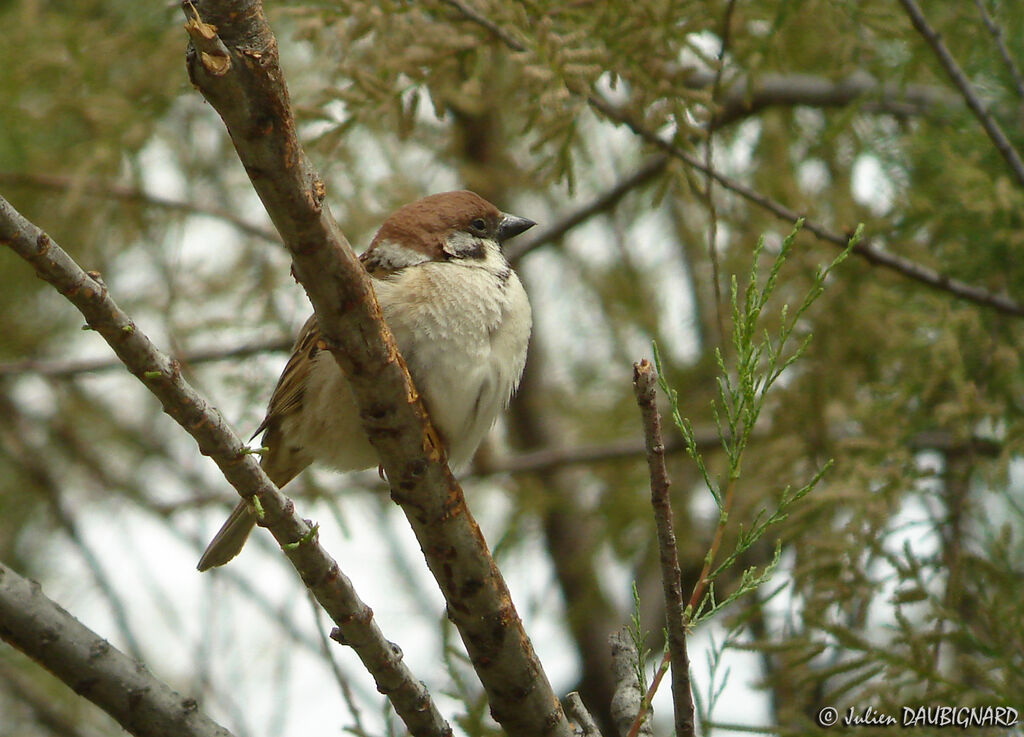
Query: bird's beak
x,y
511,226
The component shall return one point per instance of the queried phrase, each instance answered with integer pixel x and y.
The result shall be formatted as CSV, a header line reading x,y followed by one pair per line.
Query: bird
x,y
461,320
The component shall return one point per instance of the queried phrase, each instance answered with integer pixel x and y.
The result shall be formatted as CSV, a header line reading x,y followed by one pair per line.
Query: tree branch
x,y
992,129
628,708
602,203
233,61
162,376
863,248
644,385
93,667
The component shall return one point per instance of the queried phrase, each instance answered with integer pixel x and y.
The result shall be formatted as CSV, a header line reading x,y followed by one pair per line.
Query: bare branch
x,y
863,248
94,668
247,88
112,191
162,376
604,202
644,385
852,88
992,129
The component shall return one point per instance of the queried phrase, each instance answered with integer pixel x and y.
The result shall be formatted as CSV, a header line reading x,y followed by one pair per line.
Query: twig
x,y
602,203
709,189
112,191
118,684
162,376
864,248
487,23
997,37
70,369
14,432
339,677
995,133
576,711
394,418
628,706
644,385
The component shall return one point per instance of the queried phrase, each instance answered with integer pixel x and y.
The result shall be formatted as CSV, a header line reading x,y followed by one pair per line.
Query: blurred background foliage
x,y
901,573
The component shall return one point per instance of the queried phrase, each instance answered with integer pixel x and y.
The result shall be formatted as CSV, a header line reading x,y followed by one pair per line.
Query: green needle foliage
x,y
760,358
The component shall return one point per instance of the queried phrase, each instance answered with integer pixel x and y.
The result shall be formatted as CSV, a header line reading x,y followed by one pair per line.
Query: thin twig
x,y
709,189
600,204
644,385
863,248
997,37
995,133
41,470
162,376
71,369
112,191
487,23
327,652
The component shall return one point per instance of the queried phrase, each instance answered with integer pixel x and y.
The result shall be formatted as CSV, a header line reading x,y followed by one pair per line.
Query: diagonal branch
x,y
992,129
121,686
162,376
233,61
863,248
602,203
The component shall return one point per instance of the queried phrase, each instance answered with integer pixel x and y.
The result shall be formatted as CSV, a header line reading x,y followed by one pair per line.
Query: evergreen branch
x,y
215,438
952,69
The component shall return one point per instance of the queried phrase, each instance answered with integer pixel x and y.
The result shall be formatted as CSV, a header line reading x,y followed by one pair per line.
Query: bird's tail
x,y
230,538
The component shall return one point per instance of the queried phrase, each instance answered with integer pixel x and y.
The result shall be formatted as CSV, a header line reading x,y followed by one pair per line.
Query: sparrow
x,y
461,320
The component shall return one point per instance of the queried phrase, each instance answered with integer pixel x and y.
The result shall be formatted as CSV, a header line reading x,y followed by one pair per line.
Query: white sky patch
x,y
871,187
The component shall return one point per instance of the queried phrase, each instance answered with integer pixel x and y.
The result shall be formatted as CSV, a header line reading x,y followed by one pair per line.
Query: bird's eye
x,y
479,225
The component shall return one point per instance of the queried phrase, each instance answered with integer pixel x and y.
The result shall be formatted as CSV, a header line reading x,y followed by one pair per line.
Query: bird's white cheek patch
x,y
391,256
464,245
